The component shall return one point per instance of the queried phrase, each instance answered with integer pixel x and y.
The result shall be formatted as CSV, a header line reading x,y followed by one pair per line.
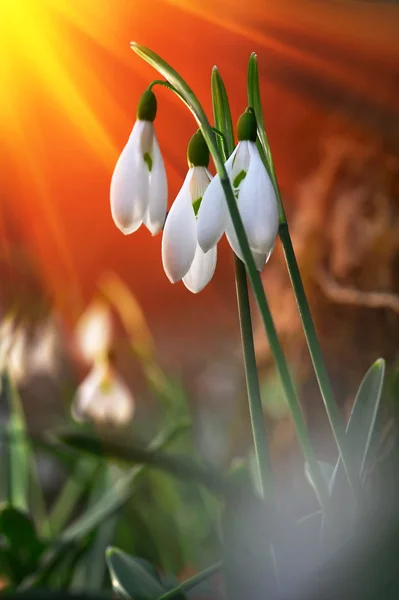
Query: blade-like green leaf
x,y
180,466
20,546
107,506
21,483
255,102
16,446
361,424
326,471
77,484
94,564
221,111
130,577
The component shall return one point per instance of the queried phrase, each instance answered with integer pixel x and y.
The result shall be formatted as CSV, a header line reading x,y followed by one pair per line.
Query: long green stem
x,y
252,380
313,343
290,393
189,584
223,121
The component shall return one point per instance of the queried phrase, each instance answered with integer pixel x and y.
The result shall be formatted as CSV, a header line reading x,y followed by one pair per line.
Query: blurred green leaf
x,y
20,547
181,467
132,578
326,471
94,564
249,527
16,466
77,484
20,485
108,505
361,424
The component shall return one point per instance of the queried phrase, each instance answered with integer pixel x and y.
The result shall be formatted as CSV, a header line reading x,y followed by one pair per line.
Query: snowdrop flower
x,y
94,331
139,188
103,398
182,256
255,195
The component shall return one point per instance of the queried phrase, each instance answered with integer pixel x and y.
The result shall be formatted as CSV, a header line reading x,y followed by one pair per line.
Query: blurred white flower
x,y
43,349
182,256
256,202
103,398
13,349
139,188
94,331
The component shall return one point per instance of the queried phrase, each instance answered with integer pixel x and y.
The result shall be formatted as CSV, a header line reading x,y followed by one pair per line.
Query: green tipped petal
x,y
246,126
197,151
147,108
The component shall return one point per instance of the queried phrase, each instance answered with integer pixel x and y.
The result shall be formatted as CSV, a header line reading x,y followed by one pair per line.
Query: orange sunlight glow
x,y
70,85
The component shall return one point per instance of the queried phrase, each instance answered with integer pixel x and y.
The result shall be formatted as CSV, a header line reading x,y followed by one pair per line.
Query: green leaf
x,y
107,506
255,102
361,425
77,484
20,546
16,448
94,564
181,467
326,470
20,485
221,111
131,577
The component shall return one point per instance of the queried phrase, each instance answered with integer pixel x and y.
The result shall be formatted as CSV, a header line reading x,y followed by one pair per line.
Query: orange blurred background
x,y
70,85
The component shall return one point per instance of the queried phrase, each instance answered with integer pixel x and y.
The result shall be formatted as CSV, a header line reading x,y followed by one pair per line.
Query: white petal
x,y
201,270
257,204
129,183
103,397
199,183
259,258
179,238
241,160
155,216
213,212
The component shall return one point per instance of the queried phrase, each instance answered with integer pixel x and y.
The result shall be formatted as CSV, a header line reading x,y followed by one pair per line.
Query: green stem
x,y
223,121
313,343
252,380
290,392
189,584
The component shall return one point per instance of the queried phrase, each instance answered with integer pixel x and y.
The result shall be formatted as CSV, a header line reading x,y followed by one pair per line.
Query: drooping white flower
x,y
139,188
182,256
256,201
94,331
103,398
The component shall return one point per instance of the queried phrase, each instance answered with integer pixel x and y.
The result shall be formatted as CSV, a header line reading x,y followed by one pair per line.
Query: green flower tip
x,y
197,151
147,108
246,126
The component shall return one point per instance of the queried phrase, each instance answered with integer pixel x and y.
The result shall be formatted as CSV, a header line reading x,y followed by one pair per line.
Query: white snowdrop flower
x,y
139,189
94,331
103,398
255,195
182,256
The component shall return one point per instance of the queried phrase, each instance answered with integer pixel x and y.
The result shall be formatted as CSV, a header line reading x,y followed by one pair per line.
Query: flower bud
x,y
246,127
147,107
197,151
